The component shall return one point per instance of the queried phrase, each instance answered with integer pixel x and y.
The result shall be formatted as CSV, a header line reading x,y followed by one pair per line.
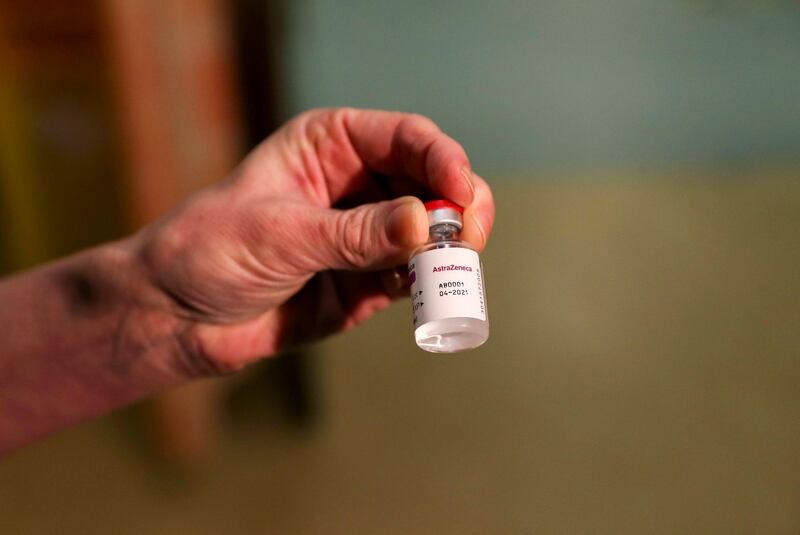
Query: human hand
x,y
296,243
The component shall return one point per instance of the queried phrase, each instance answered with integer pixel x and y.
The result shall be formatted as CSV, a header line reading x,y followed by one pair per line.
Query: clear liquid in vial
x,y
450,335
448,298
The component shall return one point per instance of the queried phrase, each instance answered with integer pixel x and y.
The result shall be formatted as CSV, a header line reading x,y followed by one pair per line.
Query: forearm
x,y
80,337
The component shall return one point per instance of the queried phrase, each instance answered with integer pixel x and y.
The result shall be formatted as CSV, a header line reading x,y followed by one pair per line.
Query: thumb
x,y
368,237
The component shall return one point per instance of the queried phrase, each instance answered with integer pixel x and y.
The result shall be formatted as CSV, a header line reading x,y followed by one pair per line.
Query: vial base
x,y
452,334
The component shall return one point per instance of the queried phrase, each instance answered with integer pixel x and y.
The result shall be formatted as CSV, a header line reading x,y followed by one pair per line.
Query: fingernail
x,y
395,281
466,172
480,228
406,221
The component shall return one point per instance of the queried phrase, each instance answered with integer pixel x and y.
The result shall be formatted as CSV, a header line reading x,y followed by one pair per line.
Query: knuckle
x,y
417,124
417,134
308,121
353,236
324,115
341,115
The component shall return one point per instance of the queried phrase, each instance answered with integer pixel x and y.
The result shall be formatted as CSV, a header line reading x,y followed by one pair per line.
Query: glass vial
x,y
447,292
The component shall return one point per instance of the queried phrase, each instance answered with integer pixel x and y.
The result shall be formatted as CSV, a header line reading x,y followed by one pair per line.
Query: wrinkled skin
x,y
296,243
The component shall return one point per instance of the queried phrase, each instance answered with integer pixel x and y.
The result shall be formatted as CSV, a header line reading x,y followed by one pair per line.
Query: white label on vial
x,y
446,283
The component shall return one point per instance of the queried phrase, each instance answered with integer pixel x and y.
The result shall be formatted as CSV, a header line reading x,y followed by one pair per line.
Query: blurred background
x,y
643,278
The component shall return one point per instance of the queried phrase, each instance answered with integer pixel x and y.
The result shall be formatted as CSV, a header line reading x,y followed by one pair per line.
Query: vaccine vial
x,y
447,292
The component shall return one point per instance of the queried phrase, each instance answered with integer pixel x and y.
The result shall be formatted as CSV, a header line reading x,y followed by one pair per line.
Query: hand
x,y
291,246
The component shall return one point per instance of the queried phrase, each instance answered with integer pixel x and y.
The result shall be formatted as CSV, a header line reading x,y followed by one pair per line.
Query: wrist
x,y
158,321
148,335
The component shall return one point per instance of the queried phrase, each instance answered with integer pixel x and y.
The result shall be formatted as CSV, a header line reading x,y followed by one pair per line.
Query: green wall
x,y
564,83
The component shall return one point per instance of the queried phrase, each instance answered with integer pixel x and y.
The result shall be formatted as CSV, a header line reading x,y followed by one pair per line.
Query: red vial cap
x,y
442,203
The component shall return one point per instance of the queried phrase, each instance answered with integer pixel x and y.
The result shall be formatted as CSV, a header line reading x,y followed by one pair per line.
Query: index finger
x,y
408,145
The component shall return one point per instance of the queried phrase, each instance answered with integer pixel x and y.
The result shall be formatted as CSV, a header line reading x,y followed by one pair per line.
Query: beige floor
x,y
643,376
